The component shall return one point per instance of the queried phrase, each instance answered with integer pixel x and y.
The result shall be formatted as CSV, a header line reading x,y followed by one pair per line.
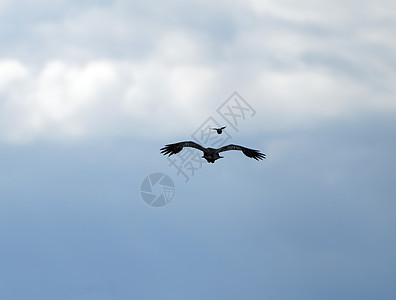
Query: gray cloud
x,y
298,64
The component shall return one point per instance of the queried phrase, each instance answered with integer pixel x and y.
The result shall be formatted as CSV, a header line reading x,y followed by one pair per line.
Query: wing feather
x,y
177,147
256,154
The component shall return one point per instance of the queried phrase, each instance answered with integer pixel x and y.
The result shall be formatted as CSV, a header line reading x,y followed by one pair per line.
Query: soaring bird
x,y
210,154
219,130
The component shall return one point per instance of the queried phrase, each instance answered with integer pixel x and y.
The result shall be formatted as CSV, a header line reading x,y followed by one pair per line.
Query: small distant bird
x,y
210,154
219,130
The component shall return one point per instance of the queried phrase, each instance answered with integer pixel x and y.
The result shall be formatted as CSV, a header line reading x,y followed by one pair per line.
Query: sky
x,y
91,90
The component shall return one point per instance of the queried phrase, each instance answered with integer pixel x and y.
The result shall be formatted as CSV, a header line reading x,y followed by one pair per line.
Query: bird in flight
x,y
219,130
210,154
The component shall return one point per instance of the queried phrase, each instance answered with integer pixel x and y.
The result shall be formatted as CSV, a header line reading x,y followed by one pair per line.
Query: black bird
x,y
219,130
210,154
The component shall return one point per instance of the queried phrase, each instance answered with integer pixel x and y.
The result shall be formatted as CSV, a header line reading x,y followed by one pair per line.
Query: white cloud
x,y
62,100
307,96
11,71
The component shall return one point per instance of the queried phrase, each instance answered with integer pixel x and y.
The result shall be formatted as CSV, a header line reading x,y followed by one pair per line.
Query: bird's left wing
x,y
248,152
177,147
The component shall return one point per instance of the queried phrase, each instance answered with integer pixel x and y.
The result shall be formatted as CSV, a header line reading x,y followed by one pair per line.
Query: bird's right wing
x,y
177,147
257,155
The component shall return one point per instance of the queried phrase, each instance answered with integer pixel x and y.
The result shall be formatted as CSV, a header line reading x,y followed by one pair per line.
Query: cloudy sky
x,y
91,90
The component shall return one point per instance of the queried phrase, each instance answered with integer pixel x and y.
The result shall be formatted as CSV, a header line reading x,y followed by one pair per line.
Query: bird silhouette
x,y
219,130
210,154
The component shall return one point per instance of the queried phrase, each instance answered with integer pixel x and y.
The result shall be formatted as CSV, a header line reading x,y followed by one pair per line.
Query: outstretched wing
x,y
177,147
220,128
248,152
